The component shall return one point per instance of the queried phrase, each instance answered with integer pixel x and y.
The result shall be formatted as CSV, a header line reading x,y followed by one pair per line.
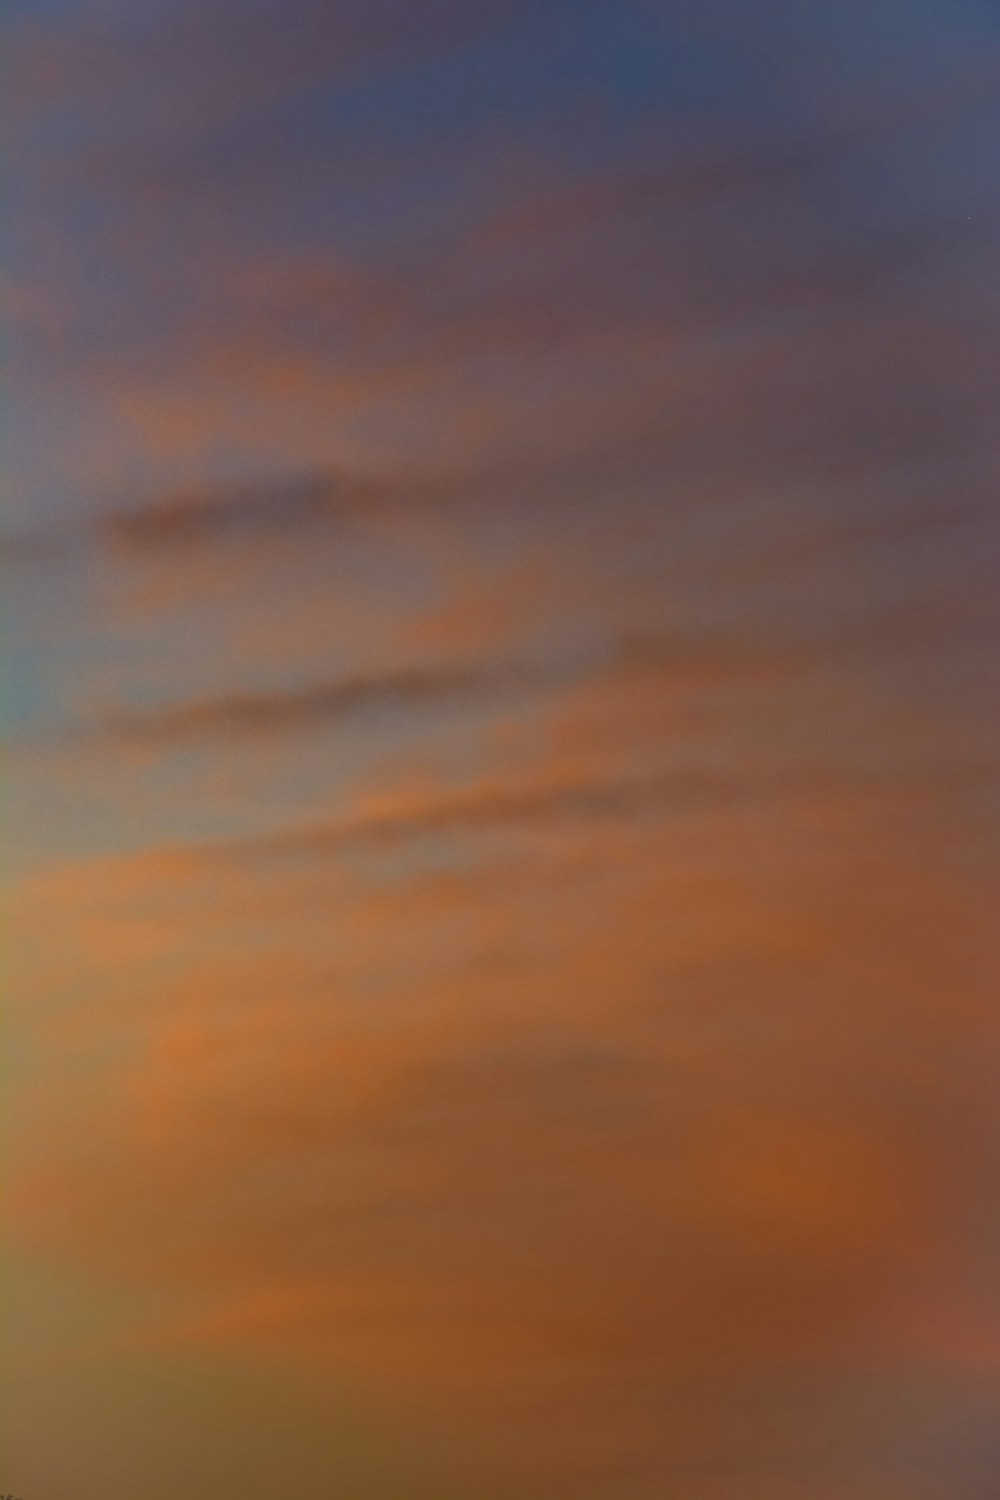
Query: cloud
x,y
635,272
657,1107
184,521
736,1188
593,1051
186,51
499,808
216,722
683,664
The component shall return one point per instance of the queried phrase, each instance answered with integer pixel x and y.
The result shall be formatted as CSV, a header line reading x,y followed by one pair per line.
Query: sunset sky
x,y
501,727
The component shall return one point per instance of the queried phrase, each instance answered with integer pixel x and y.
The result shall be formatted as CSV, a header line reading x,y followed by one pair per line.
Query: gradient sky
x,y
501,732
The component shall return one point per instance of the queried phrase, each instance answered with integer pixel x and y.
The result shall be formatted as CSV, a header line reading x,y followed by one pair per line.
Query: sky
x,y
500,714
